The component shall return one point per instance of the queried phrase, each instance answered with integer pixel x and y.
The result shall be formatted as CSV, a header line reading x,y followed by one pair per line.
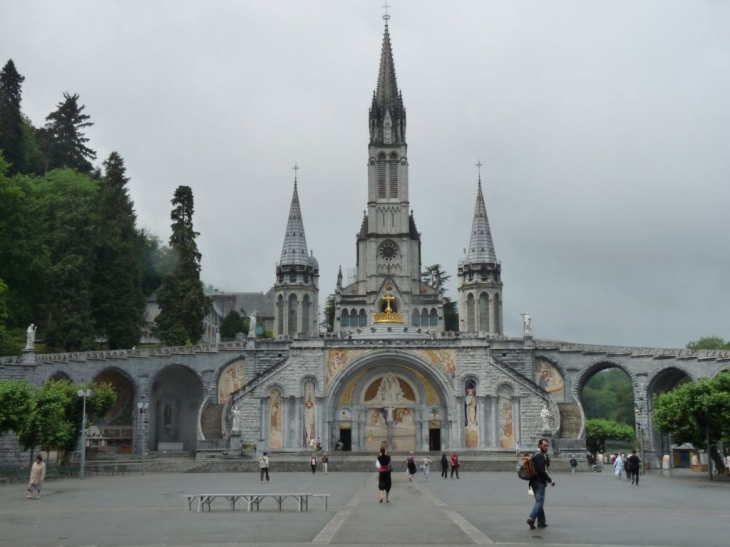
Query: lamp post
x,y
640,432
143,406
83,394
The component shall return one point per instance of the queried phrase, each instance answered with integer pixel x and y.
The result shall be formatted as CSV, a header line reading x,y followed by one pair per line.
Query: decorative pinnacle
x,y
479,166
386,16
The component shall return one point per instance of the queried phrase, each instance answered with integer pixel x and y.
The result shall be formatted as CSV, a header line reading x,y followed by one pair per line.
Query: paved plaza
x,y
480,508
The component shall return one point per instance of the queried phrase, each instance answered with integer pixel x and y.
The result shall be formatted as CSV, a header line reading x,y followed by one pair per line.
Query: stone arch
x,y
566,379
306,305
309,378
218,372
597,366
667,373
175,393
58,376
280,315
720,370
123,411
292,303
470,312
484,311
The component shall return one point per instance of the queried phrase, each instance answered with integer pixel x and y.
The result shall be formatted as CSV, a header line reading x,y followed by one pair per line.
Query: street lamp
x,y
83,394
142,412
640,432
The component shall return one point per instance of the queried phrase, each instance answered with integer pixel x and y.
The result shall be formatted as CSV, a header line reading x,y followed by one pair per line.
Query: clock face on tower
x,y
389,250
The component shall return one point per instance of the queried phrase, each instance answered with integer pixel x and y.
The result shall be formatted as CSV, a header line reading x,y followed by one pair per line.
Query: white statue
x,y
236,419
527,321
30,343
545,417
471,408
252,325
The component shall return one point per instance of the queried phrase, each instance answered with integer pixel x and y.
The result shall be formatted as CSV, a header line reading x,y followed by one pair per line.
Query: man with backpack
x,y
538,484
573,464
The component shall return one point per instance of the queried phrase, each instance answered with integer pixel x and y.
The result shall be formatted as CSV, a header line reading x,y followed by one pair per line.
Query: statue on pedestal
x,y
527,322
545,417
252,325
236,428
30,342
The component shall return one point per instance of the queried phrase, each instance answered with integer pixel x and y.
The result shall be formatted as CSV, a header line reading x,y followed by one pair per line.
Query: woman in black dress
x,y
384,481
444,467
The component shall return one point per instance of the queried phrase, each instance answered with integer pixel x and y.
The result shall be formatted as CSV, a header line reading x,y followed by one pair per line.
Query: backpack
x,y
526,468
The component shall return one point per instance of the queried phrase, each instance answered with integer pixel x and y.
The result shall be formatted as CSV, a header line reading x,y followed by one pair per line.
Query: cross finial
x,y
479,166
296,168
386,16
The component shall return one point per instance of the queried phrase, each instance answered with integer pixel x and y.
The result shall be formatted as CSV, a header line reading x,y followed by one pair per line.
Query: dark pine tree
x,y
118,303
183,304
63,139
11,119
232,324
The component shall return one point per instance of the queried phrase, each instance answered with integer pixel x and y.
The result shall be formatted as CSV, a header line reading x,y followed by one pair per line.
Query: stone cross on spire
x,y
479,166
296,168
386,16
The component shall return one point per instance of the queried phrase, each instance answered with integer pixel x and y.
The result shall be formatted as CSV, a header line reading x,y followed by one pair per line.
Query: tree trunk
x,y
32,450
717,458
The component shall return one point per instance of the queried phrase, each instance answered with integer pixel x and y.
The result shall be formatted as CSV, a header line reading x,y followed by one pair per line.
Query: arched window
x,y
381,176
424,317
470,313
484,312
434,317
416,318
363,319
497,314
293,302
345,318
306,304
280,315
393,175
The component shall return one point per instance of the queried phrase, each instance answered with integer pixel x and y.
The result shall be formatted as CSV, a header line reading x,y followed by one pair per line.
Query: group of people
x,y
385,468
325,462
627,465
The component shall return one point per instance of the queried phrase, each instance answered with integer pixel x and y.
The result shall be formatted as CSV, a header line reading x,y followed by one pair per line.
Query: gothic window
x,y
306,304
345,318
280,315
363,319
293,277
381,176
393,176
416,318
470,313
497,315
434,317
424,317
293,314
484,312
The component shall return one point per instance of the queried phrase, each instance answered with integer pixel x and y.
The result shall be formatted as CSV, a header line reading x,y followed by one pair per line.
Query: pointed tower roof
x,y
481,247
386,93
387,113
294,252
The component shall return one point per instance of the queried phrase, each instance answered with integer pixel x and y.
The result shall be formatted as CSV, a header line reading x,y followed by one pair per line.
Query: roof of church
x,y
294,252
386,93
481,247
244,303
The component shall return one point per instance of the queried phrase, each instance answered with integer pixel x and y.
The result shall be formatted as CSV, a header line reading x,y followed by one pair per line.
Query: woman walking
x,y
37,476
411,464
384,482
313,463
444,467
426,466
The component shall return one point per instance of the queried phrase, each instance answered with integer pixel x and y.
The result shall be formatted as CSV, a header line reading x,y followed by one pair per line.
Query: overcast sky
x,y
603,128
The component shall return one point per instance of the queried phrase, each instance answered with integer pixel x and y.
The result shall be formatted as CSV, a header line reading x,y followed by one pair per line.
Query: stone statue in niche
x,y
527,323
471,433
309,413
235,411
252,325
545,416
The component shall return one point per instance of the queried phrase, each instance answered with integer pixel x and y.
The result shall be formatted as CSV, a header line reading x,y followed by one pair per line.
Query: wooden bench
x,y
252,500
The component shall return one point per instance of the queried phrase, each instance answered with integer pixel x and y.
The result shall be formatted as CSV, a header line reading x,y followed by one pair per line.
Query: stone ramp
x,y
413,517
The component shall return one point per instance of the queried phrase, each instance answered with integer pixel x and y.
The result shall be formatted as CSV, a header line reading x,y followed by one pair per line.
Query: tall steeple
x,y
387,113
480,282
297,278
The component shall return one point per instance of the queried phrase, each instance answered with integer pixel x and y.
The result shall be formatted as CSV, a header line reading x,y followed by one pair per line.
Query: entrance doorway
x,y
346,438
434,440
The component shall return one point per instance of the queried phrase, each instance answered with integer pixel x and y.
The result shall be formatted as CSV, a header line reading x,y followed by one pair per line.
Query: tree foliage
x,y
118,302
436,277
329,314
64,139
232,324
15,404
695,410
709,342
183,304
12,134
598,431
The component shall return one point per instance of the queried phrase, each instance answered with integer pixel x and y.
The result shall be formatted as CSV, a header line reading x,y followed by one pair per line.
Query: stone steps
x,y
570,420
211,422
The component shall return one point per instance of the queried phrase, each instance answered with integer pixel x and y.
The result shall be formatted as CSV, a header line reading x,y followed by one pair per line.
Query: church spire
x,y
481,247
387,113
294,252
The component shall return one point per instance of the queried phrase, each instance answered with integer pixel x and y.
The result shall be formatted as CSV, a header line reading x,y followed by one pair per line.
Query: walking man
x,y
573,464
313,463
444,466
634,465
538,484
426,465
325,461
454,465
264,467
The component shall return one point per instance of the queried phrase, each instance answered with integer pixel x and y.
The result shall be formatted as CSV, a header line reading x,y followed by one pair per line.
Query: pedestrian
x,y
37,476
626,466
426,466
454,465
312,444
444,466
264,467
319,445
538,485
325,462
411,466
618,465
634,464
313,463
384,480
573,463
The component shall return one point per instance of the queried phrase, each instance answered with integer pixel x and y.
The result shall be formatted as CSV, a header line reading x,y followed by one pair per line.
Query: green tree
x,y
12,135
3,309
599,431
183,304
709,342
63,139
609,394
232,324
66,209
118,302
329,314
46,421
157,261
435,276
15,404
695,411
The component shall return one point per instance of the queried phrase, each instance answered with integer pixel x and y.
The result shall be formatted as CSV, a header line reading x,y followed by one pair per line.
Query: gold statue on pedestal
x,y
389,315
